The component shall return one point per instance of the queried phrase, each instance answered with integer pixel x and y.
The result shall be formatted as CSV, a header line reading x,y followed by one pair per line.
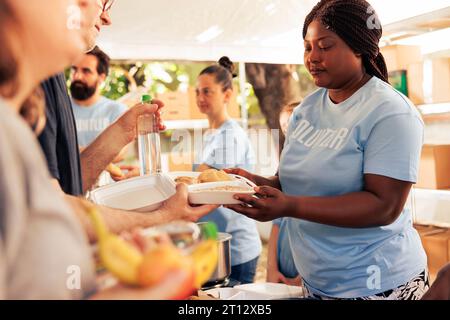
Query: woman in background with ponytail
x,y
351,157
225,146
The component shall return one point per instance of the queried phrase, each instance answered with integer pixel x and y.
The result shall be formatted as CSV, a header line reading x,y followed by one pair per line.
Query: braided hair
x,y
223,72
352,21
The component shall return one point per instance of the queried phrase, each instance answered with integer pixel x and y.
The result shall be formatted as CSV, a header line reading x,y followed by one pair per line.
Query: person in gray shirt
x,y
42,244
44,251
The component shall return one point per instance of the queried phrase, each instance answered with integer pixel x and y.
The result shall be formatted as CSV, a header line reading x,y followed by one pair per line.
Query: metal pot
x,y
223,269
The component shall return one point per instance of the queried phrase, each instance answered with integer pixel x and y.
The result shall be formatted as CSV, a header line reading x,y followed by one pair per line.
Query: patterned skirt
x,y
412,290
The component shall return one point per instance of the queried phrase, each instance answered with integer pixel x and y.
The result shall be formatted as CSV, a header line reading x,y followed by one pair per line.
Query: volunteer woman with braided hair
x,y
348,165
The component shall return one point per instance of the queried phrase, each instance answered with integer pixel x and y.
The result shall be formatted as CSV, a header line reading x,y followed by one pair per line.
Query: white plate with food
x,y
213,186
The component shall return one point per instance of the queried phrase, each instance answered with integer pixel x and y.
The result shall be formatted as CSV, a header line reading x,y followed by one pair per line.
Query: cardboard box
x,y
194,111
233,107
399,57
437,248
176,105
409,58
434,170
414,74
441,80
425,229
180,161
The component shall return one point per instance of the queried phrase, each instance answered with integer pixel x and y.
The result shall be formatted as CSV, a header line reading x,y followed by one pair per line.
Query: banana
x,y
131,267
204,258
119,257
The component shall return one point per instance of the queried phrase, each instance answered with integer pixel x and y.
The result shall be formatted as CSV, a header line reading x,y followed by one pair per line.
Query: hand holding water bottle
x,y
126,125
148,128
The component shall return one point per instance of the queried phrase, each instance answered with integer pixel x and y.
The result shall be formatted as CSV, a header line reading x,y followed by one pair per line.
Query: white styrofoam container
x,y
232,294
142,194
200,193
431,207
255,291
272,290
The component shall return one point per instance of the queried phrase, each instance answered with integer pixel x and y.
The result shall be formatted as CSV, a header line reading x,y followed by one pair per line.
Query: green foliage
x,y
254,112
117,84
305,81
159,77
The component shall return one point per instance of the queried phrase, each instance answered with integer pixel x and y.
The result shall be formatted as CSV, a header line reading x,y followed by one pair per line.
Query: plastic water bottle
x,y
149,142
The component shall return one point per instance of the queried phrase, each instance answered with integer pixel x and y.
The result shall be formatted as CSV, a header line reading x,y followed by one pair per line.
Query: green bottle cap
x,y
146,98
209,230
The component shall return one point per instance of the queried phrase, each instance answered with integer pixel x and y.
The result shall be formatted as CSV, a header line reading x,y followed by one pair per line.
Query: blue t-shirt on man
x,y
92,120
329,149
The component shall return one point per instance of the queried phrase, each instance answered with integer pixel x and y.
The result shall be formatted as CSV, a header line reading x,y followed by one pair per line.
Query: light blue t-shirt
x,y
285,260
329,149
229,147
92,120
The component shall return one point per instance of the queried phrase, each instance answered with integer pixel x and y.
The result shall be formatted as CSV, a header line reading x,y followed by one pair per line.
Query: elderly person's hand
x,y
177,207
125,126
